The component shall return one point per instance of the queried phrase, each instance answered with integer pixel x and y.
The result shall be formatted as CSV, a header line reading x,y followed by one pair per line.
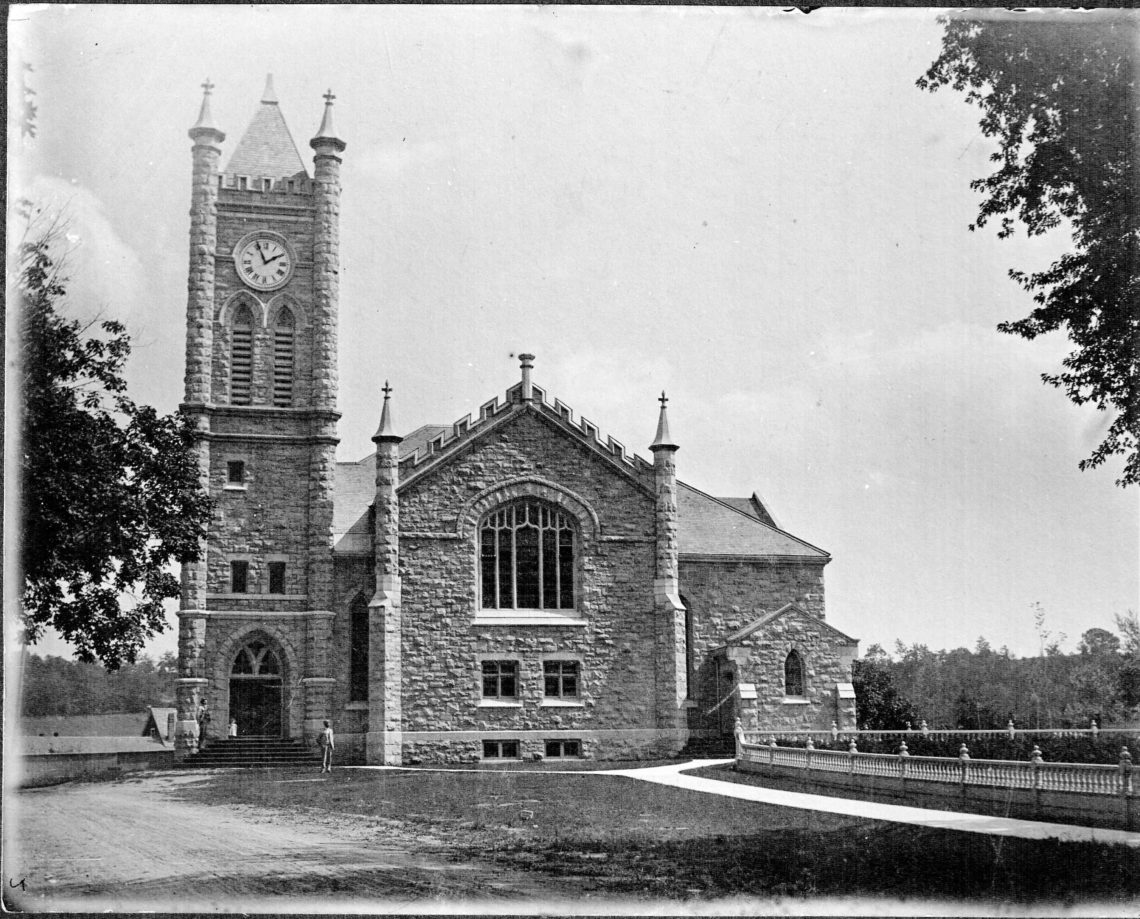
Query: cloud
x,y
105,274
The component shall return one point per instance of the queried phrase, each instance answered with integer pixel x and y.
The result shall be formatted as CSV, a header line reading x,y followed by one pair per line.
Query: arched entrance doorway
x,y
255,689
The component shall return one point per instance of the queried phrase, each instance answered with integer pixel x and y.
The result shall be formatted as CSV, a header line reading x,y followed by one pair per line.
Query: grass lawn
x,y
626,837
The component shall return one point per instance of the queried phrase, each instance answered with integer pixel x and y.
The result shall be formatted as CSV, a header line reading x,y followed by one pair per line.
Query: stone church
x,y
513,585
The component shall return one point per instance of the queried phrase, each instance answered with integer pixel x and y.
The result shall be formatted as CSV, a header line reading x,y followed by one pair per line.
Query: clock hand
x,y
275,258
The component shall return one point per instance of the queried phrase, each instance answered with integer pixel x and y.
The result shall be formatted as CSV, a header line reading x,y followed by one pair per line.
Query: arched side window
x,y
527,557
794,675
241,356
284,334
256,659
358,651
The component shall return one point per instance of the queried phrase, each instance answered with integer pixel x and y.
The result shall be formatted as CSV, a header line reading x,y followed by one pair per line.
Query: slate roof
x,y
753,507
707,526
266,149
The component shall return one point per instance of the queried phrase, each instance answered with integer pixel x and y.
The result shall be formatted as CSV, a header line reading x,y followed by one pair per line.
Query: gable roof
x,y
708,527
266,149
788,609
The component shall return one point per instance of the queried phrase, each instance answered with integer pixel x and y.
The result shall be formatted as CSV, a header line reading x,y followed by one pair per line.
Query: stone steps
x,y
252,752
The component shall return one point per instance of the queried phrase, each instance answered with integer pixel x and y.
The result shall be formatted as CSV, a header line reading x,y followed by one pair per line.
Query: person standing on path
x,y
327,745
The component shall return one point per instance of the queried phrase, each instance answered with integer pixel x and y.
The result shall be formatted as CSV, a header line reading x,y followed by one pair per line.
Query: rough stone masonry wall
x,y
823,668
242,213
725,596
442,646
225,636
268,520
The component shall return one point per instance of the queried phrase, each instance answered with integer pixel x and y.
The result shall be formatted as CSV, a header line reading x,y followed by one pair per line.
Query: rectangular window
x,y
239,577
561,679
235,472
277,577
557,749
500,679
500,749
267,184
243,183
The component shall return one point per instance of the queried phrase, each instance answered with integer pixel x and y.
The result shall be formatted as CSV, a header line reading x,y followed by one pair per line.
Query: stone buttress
x,y
199,348
385,721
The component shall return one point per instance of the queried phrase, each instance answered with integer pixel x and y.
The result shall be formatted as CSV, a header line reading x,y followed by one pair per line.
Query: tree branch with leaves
x,y
111,493
1057,91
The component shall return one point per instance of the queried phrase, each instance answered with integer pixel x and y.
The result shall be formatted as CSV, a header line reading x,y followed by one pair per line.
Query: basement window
x,y
561,749
500,749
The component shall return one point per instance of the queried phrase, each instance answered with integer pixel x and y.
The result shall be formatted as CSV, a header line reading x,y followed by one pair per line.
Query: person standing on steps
x,y
203,723
327,745
233,727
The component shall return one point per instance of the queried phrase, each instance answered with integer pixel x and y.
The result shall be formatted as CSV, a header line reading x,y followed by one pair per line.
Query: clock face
x,y
263,262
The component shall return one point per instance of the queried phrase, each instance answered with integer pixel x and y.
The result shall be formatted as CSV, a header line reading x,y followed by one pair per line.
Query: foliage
x,y
1097,642
877,700
111,489
984,689
1058,93
55,686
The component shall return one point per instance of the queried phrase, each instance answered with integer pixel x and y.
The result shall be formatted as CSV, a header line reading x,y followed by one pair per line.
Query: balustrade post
x,y
834,730
1126,784
903,754
963,761
738,735
1094,728
1012,730
925,729
852,749
808,750
771,749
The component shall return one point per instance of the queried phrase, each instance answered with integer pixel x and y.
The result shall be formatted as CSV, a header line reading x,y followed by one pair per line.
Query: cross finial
x,y
663,399
386,389
329,97
208,86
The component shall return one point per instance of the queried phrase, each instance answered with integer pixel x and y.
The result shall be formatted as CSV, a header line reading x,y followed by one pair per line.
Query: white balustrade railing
x,y
1078,778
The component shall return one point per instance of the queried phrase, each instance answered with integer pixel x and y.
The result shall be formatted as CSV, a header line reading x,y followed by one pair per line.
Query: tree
x,y
1058,92
879,706
111,490
1098,642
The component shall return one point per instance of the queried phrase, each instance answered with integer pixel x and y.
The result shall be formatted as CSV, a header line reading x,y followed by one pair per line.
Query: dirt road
x,y
129,845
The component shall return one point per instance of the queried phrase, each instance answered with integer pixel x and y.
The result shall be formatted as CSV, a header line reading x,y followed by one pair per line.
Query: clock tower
x,y
255,622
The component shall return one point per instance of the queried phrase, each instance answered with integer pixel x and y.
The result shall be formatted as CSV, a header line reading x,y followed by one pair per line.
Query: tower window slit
x,y
283,352
241,357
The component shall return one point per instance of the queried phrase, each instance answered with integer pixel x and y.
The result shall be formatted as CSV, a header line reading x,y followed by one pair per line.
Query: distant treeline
x,y
984,689
56,686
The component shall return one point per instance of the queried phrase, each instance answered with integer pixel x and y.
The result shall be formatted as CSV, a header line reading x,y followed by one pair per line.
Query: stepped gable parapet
x,y
559,413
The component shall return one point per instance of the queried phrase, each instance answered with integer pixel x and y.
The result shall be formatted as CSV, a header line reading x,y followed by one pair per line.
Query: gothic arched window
x,y
256,659
358,652
794,675
241,356
283,347
526,553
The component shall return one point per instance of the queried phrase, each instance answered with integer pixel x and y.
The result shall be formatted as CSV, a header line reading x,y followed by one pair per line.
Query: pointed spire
x,y
326,131
269,97
266,149
663,441
386,433
205,120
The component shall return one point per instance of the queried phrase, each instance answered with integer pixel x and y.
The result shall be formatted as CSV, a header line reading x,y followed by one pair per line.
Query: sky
x,y
754,210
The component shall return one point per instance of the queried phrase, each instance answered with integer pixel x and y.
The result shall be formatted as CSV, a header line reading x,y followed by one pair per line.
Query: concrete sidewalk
x,y
674,776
